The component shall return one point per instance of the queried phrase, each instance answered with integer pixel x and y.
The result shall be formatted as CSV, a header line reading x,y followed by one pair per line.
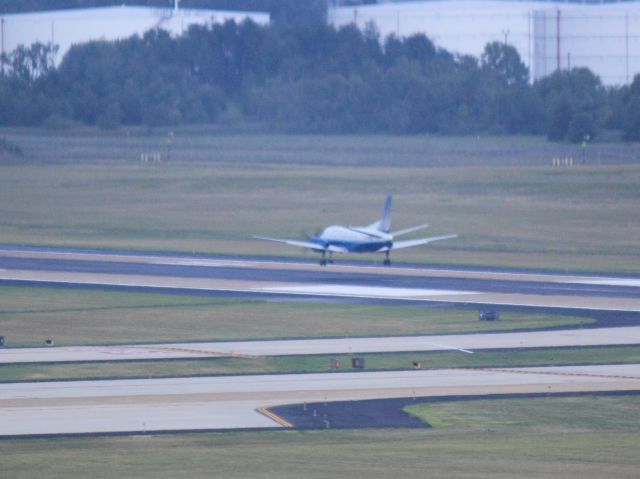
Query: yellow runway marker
x,y
275,417
202,353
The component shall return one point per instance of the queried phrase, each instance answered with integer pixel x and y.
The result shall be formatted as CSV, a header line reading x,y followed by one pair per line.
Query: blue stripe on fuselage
x,y
353,246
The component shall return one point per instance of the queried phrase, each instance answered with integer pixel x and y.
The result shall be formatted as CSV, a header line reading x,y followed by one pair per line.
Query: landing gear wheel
x,y
387,262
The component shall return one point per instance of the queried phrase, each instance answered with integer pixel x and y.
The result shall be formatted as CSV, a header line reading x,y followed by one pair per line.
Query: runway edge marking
x,y
556,373
283,422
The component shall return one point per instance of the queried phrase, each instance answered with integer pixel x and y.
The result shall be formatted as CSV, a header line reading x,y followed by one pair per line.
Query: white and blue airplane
x,y
374,238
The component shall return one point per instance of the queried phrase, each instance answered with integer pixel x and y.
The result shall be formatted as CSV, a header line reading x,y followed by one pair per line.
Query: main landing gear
x,y
324,260
387,261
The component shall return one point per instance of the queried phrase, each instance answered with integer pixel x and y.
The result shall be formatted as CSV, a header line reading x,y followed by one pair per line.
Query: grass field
x,y
587,437
28,316
510,207
316,364
554,415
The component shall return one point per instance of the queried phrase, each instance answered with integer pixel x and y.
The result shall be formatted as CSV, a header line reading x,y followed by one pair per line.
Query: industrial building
x,y
603,37
549,35
66,27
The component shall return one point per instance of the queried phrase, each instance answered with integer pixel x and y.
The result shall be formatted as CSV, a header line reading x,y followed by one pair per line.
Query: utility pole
x,y
169,143
558,40
626,46
506,36
2,43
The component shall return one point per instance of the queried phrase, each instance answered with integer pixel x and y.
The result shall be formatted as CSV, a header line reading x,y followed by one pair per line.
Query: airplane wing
x,y
408,230
304,244
417,242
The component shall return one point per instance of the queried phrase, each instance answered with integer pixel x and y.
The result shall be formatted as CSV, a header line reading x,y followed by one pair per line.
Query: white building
x,y
548,35
66,27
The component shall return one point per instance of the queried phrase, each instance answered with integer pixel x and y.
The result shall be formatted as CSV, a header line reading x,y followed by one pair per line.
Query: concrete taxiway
x,y
227,402
464,342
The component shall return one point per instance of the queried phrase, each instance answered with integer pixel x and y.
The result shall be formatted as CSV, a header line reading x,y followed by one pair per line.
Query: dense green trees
x,y
301,75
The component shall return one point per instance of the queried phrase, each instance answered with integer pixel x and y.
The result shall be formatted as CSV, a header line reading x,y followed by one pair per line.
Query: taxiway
x,y
229,402
464,342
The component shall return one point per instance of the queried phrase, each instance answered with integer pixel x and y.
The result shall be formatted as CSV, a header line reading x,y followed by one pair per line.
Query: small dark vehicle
x,y
489,316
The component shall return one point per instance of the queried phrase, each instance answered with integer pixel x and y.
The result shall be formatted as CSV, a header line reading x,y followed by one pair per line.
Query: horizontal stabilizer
x,y
420,241
304,244
408,230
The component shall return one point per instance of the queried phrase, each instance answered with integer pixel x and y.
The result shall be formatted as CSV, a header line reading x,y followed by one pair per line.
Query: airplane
x,y
374,238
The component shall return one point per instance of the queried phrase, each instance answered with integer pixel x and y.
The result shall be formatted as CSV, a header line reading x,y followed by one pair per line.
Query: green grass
x,y
28,316
553,415
587,437
315,364
508,205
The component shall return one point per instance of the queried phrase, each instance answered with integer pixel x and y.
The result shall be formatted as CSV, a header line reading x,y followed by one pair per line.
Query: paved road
x,y
466,342
226,402
288,279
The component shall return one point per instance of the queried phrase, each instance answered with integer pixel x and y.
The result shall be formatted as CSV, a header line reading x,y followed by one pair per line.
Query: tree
x,y
504,63
569,94
631,111
299,13
581,128
30,63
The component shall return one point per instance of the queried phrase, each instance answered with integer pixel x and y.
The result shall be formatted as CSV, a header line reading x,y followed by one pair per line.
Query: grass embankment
x,y
587,437
509,205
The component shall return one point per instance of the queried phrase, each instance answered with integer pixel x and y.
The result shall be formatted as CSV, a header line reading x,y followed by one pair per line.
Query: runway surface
x,y
254,278
227,402
465,342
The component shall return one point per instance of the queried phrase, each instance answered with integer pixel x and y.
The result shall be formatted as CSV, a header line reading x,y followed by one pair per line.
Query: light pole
x,y
506,36
2,43
169,142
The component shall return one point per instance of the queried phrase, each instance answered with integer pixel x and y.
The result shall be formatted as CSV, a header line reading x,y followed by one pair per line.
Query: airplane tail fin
x,y
385,221
384,224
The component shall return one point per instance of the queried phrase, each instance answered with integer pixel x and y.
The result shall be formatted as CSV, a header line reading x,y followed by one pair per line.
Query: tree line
x,y
306,76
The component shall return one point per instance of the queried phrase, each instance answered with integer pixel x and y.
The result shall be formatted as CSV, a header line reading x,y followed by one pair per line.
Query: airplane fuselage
x,y
352,241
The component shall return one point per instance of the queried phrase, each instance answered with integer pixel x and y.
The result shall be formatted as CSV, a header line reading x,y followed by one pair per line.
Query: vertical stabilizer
x,y
385,222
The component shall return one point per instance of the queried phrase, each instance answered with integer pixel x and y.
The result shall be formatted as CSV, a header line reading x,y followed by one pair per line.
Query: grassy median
x,y
318,364
29,315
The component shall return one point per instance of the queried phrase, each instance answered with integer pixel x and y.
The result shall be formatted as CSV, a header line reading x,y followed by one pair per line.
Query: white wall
x,y
602,37
66,27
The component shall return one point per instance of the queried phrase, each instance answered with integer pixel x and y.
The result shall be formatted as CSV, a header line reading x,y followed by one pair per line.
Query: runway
x,y
254,278
229,402
465,342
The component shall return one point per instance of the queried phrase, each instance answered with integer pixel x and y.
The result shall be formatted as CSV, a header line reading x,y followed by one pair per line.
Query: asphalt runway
x,y
228,402
464,342
255,278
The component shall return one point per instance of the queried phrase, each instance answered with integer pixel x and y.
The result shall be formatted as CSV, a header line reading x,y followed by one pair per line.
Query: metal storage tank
x,y
603,37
